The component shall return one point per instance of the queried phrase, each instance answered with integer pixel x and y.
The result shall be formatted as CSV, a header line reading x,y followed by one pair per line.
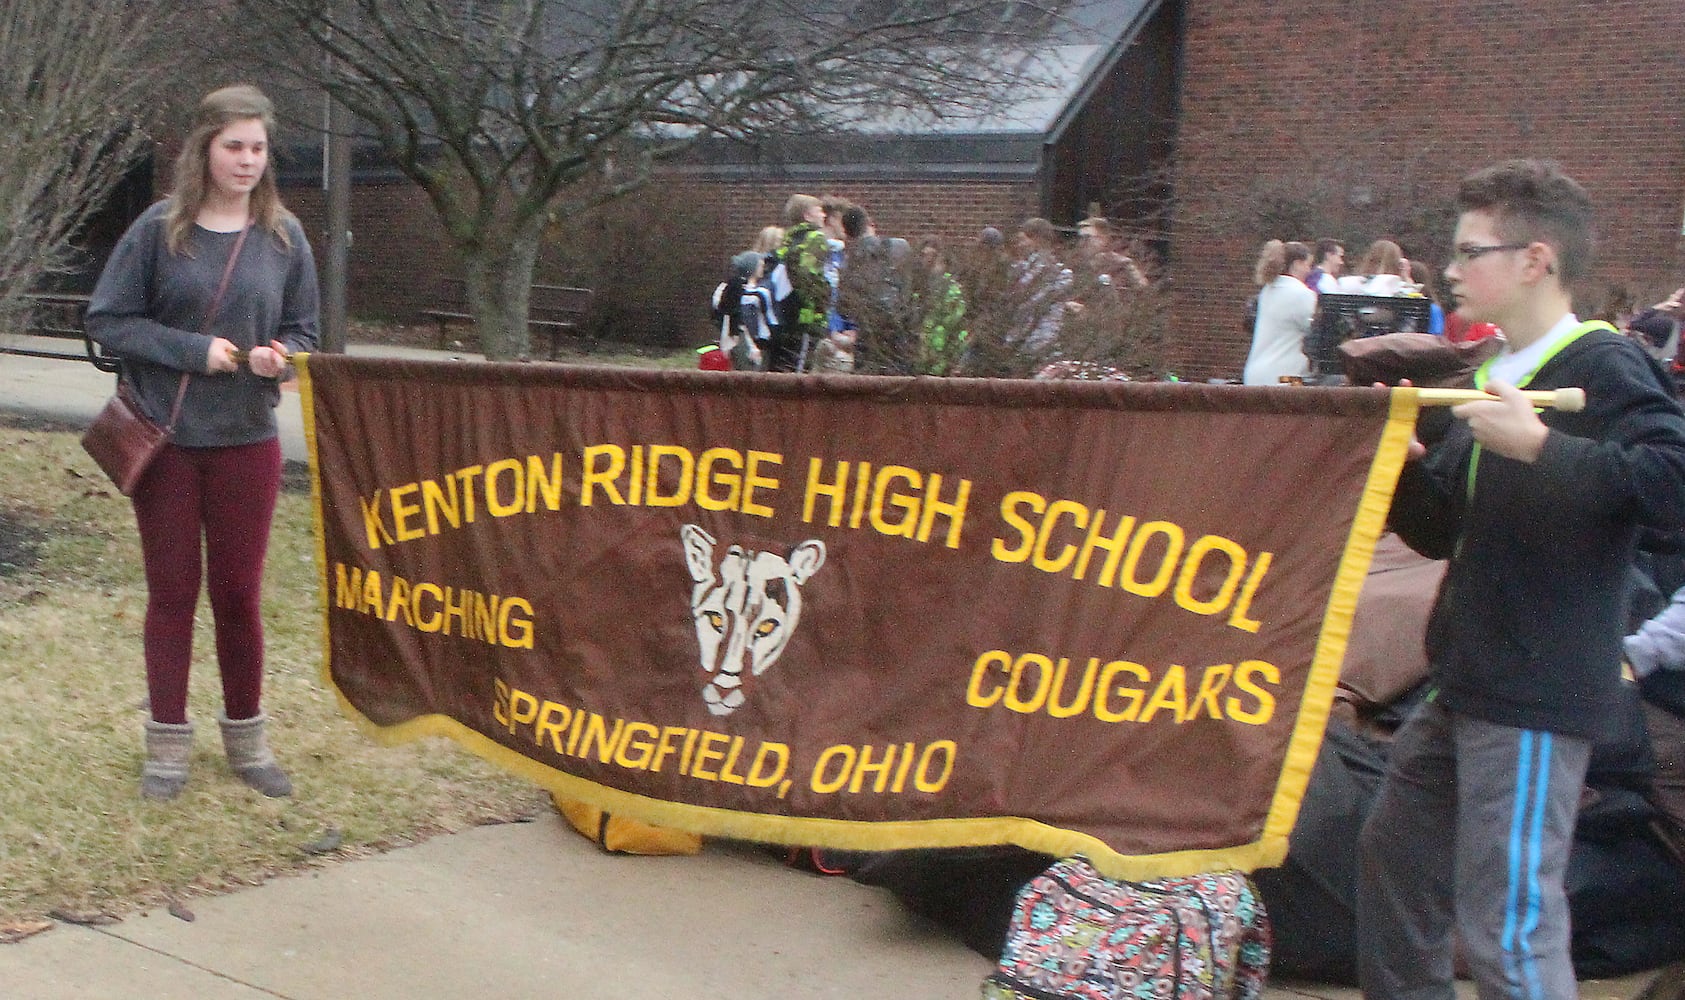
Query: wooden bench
x,y
55,327
551,310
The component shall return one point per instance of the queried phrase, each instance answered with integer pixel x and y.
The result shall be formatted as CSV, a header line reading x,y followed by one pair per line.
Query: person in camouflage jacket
x,y
805,312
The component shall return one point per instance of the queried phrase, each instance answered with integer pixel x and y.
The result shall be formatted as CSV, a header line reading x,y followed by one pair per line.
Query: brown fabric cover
x,y
1422,358
1385,657
1667,787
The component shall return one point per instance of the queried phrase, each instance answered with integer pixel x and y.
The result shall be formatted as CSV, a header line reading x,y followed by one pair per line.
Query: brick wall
x,y
1363,103
399,253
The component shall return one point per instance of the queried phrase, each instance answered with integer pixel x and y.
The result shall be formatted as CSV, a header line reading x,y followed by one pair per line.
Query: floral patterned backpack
x,y
1077,935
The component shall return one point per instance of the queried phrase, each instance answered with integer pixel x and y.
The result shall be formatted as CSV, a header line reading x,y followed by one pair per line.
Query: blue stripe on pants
x,y
1521,912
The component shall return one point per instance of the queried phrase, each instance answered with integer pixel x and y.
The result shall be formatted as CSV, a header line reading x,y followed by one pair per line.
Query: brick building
x,y
1299,120
1206,126
1099,133
1369,113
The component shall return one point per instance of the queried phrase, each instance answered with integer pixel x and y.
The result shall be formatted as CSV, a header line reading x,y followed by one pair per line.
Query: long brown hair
x,y
1422,275
1276,258
218,110
1383,257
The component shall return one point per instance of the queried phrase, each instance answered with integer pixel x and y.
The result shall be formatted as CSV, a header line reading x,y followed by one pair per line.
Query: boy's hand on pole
x,y
1506,424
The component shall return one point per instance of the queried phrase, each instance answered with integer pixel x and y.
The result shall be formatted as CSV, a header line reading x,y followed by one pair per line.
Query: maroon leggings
x,y
227,495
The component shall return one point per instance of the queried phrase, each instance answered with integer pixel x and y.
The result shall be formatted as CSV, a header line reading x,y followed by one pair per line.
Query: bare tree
x,y
1379,192
1096,313
72,78
514,115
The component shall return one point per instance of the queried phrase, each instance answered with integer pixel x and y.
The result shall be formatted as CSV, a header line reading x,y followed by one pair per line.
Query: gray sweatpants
x,y
1471,831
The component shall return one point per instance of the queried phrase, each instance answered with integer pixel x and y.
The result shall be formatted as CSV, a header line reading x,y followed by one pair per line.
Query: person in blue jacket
x,y
1423,277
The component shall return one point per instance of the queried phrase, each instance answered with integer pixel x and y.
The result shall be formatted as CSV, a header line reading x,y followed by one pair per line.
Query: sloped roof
x,y
1004,140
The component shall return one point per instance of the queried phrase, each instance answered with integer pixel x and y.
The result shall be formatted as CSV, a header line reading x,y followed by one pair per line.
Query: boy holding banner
x,y
1538,515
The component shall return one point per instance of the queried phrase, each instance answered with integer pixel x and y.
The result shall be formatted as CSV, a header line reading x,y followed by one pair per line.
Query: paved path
x,y
519,911
72,392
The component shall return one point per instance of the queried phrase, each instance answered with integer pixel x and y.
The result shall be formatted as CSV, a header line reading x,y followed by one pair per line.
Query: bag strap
x,y
1484,373
210,314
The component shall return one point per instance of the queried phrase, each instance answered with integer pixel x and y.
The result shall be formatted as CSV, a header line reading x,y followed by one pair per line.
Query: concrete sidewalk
x,y
517,911
522,910
531,910
72,392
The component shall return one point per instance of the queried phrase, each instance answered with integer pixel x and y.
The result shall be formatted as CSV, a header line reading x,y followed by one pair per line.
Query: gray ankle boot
x,y
168,746
249,755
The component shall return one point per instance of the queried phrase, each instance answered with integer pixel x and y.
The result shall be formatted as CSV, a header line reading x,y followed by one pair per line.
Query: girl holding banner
x,y
203,299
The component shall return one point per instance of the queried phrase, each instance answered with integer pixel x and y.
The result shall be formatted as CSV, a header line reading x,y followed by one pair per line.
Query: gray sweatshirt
x,y
149,309
1659,644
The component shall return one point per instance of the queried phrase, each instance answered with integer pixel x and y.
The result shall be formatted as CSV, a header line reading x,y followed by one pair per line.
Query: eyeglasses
x,y
1465,252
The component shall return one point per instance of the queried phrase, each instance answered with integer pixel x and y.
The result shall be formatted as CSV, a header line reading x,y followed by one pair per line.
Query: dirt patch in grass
x,y
20,543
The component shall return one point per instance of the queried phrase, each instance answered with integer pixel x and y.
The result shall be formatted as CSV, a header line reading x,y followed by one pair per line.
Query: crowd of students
x,y
825,293
778,310
1291,276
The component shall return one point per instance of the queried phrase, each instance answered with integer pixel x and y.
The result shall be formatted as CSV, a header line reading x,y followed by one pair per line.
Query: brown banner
x,y
874,613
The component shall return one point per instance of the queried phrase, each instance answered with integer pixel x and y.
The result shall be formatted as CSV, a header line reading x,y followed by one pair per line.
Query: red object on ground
x,y
712,359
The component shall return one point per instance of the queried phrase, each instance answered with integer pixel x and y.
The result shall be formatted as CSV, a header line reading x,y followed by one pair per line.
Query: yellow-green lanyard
x,y
1484,373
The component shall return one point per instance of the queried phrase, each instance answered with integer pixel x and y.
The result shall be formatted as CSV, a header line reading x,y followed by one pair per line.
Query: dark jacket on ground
x,y
1527,628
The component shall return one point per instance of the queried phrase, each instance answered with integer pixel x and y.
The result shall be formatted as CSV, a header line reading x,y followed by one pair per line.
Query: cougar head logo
x,y
745,612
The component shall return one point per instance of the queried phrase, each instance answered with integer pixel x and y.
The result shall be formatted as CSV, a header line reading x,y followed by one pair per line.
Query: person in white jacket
x,y
1285,307
1659,644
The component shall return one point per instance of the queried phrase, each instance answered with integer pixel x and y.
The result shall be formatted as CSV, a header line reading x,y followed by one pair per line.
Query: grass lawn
x,y
74,833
